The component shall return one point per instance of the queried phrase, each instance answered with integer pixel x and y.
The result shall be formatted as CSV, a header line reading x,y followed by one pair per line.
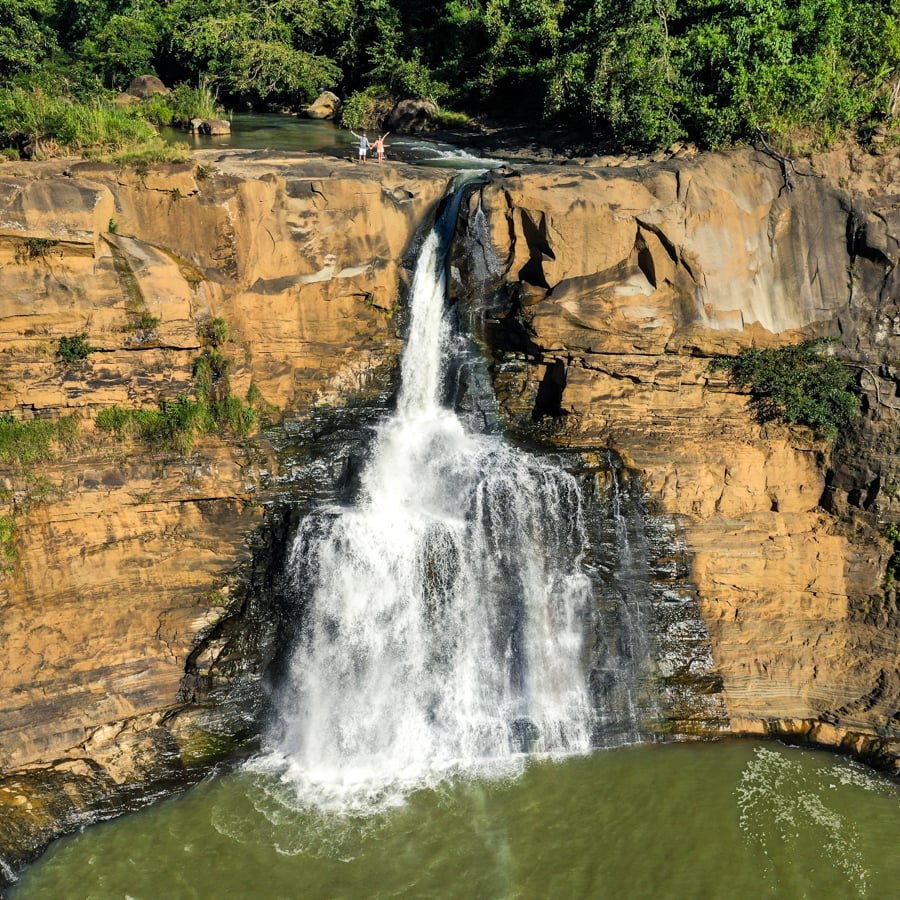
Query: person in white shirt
x,y
363,145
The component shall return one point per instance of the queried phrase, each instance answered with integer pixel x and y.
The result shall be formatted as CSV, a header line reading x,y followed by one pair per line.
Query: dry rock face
x,y
122,564
611,289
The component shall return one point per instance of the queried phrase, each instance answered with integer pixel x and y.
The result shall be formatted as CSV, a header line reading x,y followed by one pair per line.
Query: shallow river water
x,y
262,131
733,819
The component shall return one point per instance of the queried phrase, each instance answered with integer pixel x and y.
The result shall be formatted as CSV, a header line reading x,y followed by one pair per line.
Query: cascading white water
x,y
446,611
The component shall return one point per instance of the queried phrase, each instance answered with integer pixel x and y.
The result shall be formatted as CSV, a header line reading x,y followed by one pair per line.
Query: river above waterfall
x,y
267,131
732,819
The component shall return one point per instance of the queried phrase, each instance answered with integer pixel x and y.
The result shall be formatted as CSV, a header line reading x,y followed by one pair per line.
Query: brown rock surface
x,y
325,106
145,86
124,557
613,288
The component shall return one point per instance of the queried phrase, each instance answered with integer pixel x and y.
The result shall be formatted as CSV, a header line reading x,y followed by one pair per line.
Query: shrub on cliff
x,y
799,385
73,349
23,443
175,424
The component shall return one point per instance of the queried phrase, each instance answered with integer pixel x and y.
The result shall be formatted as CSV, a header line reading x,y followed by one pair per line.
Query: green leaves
x,y
636,73
796,384
122,49
778,66
256,49
43,125
25,35
26,442
72,349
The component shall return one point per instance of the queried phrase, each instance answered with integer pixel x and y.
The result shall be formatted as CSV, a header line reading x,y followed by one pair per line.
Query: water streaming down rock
x,y
475,602
446,613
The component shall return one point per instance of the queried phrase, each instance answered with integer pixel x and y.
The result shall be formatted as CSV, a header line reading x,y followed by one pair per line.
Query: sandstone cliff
x,y
609,289
120,558
132,625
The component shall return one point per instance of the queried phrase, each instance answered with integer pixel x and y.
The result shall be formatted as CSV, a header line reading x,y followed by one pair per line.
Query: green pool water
x,y
724,820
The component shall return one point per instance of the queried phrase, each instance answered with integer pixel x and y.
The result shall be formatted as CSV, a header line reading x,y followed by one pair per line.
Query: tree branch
x,y
788,167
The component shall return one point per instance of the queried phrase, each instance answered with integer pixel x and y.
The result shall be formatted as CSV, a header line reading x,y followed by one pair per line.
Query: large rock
x,y
411,115
325,106
146,86
630,281
210,126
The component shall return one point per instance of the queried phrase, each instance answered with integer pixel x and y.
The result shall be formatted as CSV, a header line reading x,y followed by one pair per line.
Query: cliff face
x,y
610,289
127,567
137,584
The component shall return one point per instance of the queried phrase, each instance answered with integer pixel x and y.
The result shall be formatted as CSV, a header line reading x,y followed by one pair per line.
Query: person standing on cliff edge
x,y
363,145
378,145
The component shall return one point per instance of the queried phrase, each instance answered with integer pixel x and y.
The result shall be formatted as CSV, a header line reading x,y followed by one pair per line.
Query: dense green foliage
x,y
73,349
40,124
640,73
797,384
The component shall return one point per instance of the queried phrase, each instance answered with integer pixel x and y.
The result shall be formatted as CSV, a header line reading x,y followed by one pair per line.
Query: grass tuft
x,y
175,424
24,443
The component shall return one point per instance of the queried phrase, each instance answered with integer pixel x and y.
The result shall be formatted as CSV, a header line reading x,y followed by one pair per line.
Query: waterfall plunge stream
x,y
446,613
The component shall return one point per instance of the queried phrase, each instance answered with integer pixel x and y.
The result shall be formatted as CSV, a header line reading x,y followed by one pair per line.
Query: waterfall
x,y
446,613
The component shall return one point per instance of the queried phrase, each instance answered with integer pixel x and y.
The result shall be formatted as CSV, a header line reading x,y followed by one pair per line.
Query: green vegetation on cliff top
x,y
636,74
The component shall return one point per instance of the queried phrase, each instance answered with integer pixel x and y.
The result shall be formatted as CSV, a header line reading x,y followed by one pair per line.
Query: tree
x,y
256,48
123,48
25,36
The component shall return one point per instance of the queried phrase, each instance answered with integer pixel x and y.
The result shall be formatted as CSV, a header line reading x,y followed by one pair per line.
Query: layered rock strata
x,y
134,597
609,290
126,566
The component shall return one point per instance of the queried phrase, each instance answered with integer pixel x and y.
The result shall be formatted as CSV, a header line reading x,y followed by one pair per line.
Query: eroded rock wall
x,y
605,291
123,558
130,618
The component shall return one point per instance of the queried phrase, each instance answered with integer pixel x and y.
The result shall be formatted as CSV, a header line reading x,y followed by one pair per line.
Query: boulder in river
x,y
411,115
210,126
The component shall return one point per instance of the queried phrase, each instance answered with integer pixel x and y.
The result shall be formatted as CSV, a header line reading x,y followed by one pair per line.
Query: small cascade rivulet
x,y
448,621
